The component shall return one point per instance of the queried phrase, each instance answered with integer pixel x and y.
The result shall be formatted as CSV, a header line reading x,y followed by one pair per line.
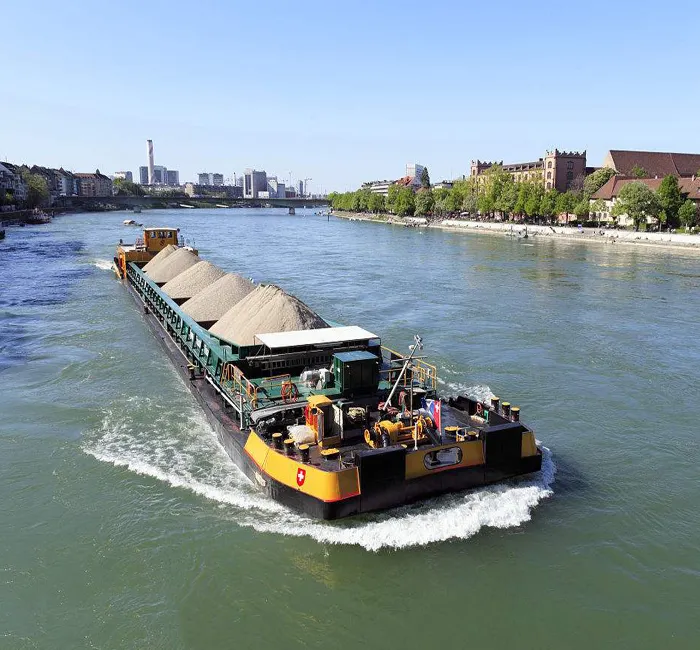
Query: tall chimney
x,y
149,147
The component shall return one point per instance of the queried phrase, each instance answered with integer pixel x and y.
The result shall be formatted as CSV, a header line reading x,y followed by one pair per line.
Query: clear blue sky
x,y
343,92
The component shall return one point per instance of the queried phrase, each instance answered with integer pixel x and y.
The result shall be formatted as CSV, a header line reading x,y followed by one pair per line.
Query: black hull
x,y
388,493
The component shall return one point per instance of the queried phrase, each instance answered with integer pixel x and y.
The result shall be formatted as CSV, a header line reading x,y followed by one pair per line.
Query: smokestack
x,y
149,148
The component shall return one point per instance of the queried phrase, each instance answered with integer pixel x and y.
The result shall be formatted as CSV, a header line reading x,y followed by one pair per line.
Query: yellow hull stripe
x,y
322,485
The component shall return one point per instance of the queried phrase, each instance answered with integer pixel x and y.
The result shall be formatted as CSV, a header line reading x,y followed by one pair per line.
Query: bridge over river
x,y
126,202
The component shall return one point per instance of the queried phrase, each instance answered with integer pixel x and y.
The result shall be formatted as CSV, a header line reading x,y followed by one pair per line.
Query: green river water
x,y
124,524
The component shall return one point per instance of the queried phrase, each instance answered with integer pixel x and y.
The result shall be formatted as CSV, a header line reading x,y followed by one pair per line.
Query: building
x,y
143,175
125,176
378,187
415,172
204,179
222,191
172,178
300,188
275,189
254,182
11,183
653,163
443,185
217,180
94,184
690,188
557,170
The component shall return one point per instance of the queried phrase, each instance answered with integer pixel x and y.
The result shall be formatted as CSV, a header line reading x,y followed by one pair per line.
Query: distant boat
x,y
221,205
184,205
131,222
38,217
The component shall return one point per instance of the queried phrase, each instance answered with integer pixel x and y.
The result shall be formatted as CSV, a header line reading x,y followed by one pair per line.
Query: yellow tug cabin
x,y
145,248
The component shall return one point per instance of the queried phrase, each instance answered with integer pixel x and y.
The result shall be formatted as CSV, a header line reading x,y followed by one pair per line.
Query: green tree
x,y
376,203
505,204
496,180
548,204
391,197
532,204
597,207
425,178
688,214
37,190
405,202
581,209
671,200
123,187
596,180
638,202
424,202
639,172
566,204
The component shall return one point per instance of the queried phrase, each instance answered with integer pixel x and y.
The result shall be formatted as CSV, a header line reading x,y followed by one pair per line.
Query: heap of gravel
x,y
160,257
173,265
266,309
190,282
213,302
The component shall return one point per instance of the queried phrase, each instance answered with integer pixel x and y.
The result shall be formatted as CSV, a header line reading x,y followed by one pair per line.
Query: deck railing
x,y
425,374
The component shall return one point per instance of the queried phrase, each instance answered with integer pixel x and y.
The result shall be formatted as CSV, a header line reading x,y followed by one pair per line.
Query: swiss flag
x,y
301,476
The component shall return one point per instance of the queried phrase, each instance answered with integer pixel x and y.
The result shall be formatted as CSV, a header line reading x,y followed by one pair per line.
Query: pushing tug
x,y
322,418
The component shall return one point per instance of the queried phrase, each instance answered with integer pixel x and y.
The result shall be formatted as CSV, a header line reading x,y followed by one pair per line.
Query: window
x,y
442,458
549,164
549,174
549,185
569,176
570,164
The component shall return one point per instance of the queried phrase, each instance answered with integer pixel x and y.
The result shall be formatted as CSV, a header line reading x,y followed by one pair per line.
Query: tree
x,y
424,202
532,204
596,180
376,203
688,214
639,172
122,187
425,178
671,200
391,197
581,209
405,202
566,203
548,204
505,203
37,190
638,202
597,207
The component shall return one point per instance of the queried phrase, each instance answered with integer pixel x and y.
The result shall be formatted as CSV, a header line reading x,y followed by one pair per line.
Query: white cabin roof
x,y
315,337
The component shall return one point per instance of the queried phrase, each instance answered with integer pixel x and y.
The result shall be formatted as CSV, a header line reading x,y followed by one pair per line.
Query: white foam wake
x,y
103,265
185,454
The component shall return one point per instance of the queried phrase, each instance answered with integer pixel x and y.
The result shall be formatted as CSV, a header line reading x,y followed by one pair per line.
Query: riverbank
x,y
592,235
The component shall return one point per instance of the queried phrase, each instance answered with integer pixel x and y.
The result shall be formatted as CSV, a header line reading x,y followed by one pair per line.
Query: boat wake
x,y
143,436
103,265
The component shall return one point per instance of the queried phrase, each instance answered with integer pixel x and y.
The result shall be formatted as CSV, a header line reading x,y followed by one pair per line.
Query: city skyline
x,y
482,84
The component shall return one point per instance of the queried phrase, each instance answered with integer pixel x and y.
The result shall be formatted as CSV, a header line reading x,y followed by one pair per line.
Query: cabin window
x,y
443,458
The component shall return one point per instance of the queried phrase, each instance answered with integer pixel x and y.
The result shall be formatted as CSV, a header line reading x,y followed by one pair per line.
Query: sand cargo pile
x,y
160,257
192,281
170,267
266,309
210,304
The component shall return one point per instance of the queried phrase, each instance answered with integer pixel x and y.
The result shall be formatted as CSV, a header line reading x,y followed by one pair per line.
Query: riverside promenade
x,y
594,235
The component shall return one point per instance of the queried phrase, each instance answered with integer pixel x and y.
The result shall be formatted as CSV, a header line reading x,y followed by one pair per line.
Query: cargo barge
x,y
322,418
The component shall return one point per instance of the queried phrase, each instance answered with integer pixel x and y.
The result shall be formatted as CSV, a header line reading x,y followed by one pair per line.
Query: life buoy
x,y
479,409
290,392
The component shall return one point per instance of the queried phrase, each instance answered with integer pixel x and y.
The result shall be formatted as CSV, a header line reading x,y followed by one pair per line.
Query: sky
x,y
343,92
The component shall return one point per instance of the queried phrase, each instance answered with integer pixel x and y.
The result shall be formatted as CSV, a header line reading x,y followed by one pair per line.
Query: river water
x,y
124,525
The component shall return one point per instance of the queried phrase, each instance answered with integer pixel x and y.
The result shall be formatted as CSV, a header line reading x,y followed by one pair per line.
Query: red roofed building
x,y
690,187
654,163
